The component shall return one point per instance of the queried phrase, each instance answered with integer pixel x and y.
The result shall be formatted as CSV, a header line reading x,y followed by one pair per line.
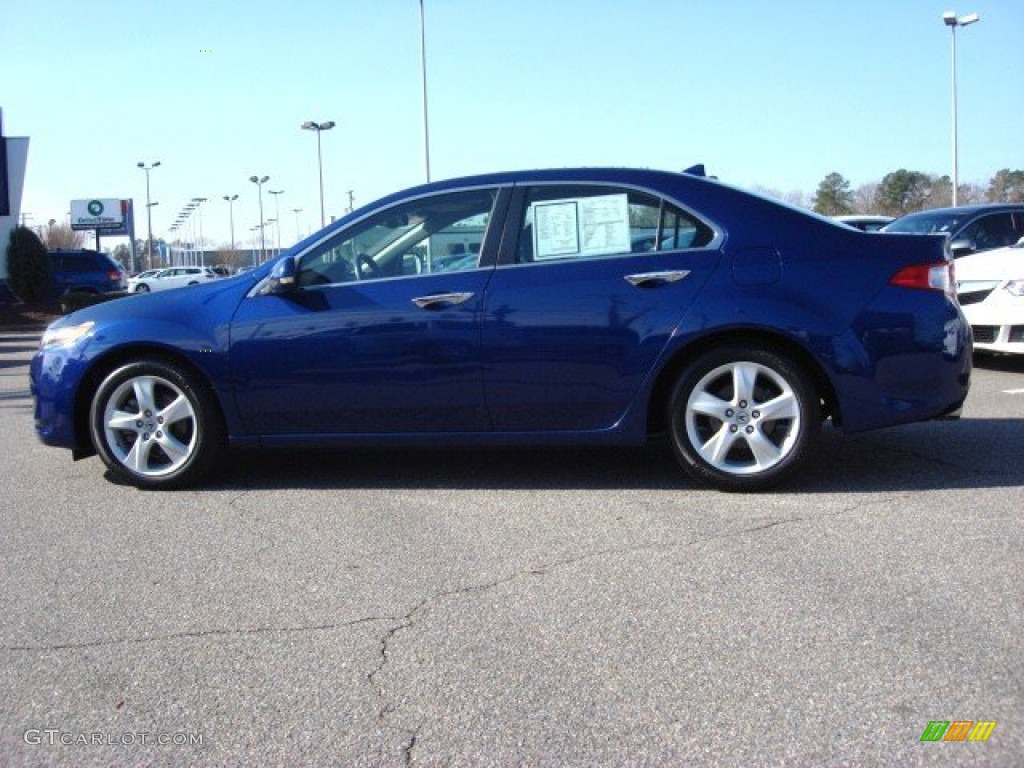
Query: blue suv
x,y
86,272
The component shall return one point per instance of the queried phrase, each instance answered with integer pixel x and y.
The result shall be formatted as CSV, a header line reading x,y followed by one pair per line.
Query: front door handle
x,y
656,278
437,300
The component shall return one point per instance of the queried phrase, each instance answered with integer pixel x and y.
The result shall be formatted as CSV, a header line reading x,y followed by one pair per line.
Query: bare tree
x,y
58,236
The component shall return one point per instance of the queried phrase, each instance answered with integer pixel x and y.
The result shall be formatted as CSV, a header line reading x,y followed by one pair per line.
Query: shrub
x,y
29,274
69,302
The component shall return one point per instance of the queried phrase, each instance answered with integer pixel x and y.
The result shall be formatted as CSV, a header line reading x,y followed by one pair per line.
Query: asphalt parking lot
x,y
562,608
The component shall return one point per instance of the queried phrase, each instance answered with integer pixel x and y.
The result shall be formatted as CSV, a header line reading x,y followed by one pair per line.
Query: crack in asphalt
x,y
196,635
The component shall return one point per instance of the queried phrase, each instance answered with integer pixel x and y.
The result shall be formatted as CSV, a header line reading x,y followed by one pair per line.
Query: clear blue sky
x,y
766,93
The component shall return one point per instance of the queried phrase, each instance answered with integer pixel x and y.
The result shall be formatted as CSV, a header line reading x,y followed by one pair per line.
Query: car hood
x,y
999,264
209,303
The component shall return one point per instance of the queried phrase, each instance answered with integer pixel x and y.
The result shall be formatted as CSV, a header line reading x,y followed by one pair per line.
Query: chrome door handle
x,y
438,299
656,278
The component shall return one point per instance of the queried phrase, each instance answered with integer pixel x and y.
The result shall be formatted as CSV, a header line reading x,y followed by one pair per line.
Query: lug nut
x,y
756,414
727,413
743,403
733,428
750,430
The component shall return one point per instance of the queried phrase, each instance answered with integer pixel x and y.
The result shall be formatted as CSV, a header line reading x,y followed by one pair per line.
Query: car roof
x,y
967,209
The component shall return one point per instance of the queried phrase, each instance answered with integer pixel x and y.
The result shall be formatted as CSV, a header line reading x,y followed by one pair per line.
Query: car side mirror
x,y
962,246
282,278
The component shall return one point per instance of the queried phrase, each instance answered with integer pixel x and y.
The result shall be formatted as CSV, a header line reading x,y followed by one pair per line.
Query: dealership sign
x,y
98,213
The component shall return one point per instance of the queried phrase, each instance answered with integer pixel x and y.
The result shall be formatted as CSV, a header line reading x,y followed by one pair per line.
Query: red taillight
x,y
937,276
114,275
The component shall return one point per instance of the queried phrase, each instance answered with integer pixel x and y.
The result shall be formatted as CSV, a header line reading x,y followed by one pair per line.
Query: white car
x,y
172,277
142,277
990,286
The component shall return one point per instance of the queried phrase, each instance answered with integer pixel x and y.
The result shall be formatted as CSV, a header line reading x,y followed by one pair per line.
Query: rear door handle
x,y
652,279
437,300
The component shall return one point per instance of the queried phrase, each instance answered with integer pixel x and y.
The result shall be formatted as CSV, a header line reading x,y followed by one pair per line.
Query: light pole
x,y
231,212
423,70
149,214
202,248
277,212
951,20
259,182
309,125
298,234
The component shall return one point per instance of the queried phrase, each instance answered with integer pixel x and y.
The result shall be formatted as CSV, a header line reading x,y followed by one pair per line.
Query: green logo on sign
x,y
95,207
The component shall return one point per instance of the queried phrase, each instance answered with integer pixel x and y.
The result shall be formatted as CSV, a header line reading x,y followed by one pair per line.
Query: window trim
x,y
508,248
488,248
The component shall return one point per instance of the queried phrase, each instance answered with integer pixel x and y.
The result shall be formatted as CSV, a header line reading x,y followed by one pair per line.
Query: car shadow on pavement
x,y
970,453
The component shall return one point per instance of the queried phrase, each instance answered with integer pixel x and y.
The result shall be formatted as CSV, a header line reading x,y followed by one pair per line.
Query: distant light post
x,y
198,202
274,221
259,182
310,125
298,233
231,212
423,70
149,214
951,20
277,211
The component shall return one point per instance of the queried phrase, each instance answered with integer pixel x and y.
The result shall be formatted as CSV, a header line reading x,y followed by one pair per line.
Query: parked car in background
x,y
970,228
735,332
864,222
85,271
990,287
173,277
142,277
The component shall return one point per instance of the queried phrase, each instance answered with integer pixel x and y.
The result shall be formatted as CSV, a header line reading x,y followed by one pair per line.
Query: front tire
x,y
743,419
156,425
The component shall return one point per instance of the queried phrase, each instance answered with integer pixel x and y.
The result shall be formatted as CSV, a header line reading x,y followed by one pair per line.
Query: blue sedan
x,y
561,307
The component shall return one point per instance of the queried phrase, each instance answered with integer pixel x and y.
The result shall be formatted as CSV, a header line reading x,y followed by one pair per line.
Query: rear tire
x,y
743,419
156,425
142,288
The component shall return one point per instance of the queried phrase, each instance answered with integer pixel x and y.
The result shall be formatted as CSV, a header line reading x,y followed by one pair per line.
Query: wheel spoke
x,y
784,406
717,448
765,452
707,404
744,376
176,450
122,420
178,410
138,457
144,394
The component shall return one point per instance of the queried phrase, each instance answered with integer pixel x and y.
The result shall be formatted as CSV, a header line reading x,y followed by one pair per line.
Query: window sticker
x,y
556,230
585,226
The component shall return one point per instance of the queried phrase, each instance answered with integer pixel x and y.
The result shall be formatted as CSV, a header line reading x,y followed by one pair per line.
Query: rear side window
x,y
582,221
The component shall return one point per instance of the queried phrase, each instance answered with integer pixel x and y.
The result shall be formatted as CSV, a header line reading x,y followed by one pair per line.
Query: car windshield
x,y
924,223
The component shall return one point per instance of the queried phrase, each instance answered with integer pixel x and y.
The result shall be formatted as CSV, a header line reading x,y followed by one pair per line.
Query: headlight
x,y
67,335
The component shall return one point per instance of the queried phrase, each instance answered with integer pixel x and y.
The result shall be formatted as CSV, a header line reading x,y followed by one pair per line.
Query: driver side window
x,y
444,233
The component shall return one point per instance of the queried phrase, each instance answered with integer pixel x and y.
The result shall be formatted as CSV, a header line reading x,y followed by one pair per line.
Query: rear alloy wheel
x,y
156,425
142,288
743,419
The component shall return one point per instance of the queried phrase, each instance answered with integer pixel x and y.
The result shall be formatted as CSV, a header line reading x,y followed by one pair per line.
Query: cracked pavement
x,y
564,608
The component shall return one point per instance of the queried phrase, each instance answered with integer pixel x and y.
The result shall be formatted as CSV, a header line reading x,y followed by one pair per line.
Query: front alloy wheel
x,y
743,419
156,425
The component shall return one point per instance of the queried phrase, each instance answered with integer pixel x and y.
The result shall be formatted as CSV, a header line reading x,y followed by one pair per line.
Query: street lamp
x,y
309,125
298,234
149,214
423,70
231,212
198,202
277,210
259,182
951,20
